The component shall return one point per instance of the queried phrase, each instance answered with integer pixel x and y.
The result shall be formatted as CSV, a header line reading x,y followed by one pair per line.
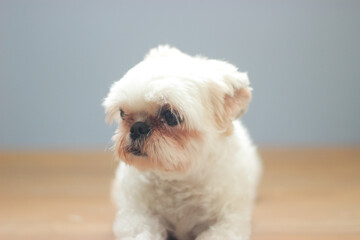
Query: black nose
x,y
139,129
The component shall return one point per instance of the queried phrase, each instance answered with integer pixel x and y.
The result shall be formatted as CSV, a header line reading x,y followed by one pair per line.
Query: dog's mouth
x,y
136,151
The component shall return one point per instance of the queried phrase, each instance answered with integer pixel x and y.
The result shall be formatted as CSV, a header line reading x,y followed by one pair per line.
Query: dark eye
x,y
170,118
122,114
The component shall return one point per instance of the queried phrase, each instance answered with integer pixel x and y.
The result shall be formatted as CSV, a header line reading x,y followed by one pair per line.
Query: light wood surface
x,y
304,194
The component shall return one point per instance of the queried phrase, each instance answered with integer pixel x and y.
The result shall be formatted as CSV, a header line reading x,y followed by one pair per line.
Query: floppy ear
x,y
230,96
111,103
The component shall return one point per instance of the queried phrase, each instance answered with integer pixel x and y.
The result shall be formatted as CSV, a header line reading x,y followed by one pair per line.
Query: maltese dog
x,y
188,169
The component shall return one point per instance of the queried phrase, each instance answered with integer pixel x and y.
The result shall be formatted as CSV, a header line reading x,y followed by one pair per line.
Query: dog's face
x,y
171,107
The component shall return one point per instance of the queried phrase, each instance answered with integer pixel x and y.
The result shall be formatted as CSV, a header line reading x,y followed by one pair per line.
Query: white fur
x,y
212,199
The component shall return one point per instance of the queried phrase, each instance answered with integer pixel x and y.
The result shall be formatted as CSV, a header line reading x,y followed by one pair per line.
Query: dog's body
x,y
188,170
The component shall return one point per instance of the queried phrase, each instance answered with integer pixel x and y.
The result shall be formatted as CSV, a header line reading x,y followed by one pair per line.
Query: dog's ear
x,y
111,103
230,95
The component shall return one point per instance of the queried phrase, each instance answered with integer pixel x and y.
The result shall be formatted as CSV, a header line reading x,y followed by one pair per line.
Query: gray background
x,y
58,59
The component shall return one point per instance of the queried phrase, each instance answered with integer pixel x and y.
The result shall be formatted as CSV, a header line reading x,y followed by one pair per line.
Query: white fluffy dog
x,y
187,169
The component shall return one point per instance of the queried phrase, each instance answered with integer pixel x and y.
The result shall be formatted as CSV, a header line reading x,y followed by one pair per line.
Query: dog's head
x,y
172,106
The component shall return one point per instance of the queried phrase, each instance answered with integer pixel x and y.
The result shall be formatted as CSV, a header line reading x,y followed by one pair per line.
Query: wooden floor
x,y
304,194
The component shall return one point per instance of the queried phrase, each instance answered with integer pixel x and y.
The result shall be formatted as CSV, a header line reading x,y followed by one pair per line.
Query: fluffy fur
x,y
194,180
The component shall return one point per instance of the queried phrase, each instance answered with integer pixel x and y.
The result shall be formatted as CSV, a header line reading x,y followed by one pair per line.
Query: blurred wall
x,y
58,59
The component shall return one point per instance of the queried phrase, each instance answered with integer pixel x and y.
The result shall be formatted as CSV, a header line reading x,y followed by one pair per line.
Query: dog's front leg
x,y
132,224
231,227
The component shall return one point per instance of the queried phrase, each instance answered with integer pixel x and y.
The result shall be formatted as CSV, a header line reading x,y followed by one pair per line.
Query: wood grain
x,y
304,194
